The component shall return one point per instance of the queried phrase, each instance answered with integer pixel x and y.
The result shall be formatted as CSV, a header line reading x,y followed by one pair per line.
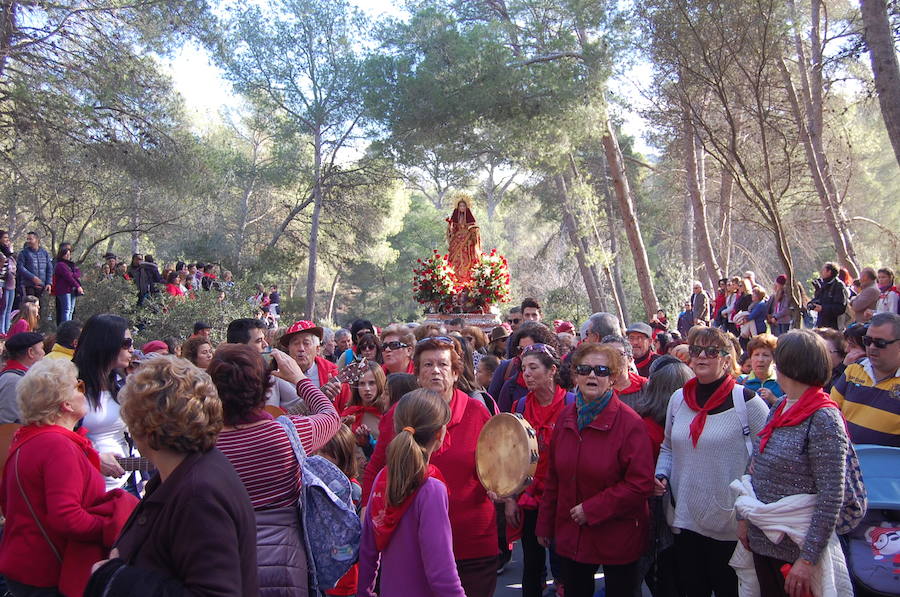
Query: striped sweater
x,y
262,454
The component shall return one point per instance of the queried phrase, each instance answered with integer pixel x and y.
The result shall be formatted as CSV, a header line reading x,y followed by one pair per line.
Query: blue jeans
x,y
8,298
65,307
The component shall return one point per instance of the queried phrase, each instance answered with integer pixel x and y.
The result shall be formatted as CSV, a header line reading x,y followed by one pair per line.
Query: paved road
x,y
509,583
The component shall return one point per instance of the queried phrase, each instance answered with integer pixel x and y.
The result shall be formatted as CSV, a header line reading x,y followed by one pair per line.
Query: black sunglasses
x,y
599,370
877,342
127,343
394,345
711,352
513,321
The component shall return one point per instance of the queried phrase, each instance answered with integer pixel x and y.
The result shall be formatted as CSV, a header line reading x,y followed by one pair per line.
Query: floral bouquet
x,y
434,283
490,280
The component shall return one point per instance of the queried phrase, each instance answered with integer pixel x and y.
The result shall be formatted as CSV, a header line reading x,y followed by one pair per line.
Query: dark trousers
x,y
703,565
619,581
502,541
768,571
20,590
534,557
662,579
478,576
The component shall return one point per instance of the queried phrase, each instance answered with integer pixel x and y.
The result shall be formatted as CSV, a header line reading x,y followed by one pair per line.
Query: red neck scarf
x,y
357,413
716,400
543,418
646,360
809,402
14,365
79,438
386,518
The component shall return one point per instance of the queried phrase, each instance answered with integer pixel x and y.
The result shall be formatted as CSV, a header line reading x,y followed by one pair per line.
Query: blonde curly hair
x,y
172,405
44,388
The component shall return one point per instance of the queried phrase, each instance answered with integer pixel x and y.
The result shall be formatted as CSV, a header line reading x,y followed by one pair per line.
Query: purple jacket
x,y
406,569
66,277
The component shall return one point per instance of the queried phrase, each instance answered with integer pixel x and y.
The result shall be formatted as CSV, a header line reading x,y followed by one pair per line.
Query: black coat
x,y
833,296
195,534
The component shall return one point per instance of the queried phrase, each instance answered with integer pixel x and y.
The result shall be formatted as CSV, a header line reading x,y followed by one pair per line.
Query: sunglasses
x,y
514,321
599,370
367,347
710,352
394,345
548,350
877,342
127,343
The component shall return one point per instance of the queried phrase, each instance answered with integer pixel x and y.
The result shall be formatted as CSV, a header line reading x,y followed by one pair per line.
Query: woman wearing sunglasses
x,y
711,429
103,352
438,367
397,343
594,506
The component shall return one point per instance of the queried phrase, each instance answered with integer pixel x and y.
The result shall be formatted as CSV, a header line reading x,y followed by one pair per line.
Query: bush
x,y
162,316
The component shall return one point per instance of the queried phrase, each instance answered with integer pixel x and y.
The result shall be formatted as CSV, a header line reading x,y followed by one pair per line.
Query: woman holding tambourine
x,y
541,407
600,474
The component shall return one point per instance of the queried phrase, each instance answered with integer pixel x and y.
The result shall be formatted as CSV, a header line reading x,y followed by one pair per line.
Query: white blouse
x,y
106,430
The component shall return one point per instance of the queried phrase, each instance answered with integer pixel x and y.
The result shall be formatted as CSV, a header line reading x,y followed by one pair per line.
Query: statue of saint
x,y
464,239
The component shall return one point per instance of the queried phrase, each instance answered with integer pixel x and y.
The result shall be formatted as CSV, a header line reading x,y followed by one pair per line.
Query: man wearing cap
x,y
640,337
23,350
252,332
301,341
66,340
155,346
201,330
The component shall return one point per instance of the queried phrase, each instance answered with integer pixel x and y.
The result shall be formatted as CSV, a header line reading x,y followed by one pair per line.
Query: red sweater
x,y
66,492
472,514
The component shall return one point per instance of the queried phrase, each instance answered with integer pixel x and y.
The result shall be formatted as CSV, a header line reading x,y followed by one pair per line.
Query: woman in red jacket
x,y
594,507
472,515
59,518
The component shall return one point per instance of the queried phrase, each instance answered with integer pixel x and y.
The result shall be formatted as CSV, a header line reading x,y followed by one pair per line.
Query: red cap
x,y
561,326
155,346
300,327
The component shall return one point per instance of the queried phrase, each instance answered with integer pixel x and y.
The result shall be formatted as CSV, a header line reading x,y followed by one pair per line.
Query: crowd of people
x,y
177,467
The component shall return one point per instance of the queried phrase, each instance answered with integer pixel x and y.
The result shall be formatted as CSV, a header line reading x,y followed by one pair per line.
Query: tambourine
x,y
506,456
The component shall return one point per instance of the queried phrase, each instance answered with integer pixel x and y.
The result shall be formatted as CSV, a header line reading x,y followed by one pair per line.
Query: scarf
x,y
14,365
386,518
645,362
79,438
588,411
809,402
716,400
357,413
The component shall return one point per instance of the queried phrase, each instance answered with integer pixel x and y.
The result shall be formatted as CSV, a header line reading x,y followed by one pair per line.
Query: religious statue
x,y
464,239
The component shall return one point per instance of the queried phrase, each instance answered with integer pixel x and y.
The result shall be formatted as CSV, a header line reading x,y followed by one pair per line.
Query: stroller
x,y
873,547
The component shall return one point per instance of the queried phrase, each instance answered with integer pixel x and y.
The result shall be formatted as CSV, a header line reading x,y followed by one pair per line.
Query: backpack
x,y
520,403
331,526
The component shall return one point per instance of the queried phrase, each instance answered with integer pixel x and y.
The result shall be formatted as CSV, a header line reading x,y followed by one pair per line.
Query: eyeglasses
x,y
127,343
710,352
877,342
394,345
514,321
547,350
599,370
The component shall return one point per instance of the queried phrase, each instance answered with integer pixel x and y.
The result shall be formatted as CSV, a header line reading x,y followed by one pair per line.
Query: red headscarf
x,y
386,518
809,402
715,401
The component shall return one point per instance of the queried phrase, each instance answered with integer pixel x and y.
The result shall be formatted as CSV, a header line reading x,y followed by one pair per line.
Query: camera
x,y
811,305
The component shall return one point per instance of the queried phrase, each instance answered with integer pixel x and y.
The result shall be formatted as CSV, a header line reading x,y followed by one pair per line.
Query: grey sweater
x,y
699,478
806,458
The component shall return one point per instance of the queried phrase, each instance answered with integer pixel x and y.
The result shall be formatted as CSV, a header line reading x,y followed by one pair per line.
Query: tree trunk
x,y
692,155
314,228
333,294
242,223
581,253
826,200
726,196
885,66
620,312
614,273
629,219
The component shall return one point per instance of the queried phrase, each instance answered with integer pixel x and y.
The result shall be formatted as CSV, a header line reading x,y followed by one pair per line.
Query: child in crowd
x,y
485,371
368,402
341,451
406,528
399,385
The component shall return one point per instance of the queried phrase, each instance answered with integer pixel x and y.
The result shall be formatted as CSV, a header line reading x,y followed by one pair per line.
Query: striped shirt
x,y
872,410
262,454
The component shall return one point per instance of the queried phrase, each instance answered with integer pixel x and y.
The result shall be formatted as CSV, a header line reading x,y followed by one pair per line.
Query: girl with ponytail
x,y
406,529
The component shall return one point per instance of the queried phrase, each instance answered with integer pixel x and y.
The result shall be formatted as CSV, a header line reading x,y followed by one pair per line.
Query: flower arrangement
x,y
490,280
435,284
